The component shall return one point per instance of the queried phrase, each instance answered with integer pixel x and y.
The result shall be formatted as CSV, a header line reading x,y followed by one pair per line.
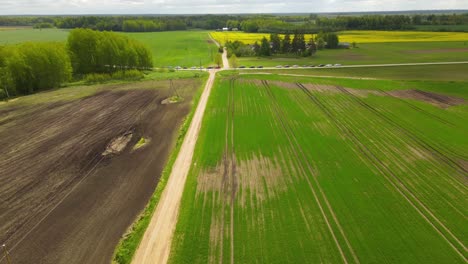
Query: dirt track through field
x,y
156,243
59,193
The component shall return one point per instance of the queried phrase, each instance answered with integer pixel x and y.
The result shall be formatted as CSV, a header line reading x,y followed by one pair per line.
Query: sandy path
x,y
156,243
225,59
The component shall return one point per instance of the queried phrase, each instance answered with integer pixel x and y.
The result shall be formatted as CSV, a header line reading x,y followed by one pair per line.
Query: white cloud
x,y
217,6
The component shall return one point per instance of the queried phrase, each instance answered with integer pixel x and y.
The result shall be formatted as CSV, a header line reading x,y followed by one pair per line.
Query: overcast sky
x,y
8,7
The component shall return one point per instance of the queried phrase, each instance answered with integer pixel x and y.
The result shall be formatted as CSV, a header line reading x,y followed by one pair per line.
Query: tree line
x,y
30,67
249,23
290,44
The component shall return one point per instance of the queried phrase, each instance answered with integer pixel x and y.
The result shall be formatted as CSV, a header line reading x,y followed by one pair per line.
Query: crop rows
x,y
292,173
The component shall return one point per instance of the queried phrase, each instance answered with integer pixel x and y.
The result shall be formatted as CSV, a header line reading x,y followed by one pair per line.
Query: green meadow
x,y
20,35
178,48
174,48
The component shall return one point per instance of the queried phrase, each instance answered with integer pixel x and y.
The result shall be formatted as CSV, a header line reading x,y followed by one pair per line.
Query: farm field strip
x,y
384,169
358,36
358,110
306,159
41,198
244,204
289,132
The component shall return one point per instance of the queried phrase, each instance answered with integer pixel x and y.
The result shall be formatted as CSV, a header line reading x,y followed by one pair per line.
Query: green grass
x,y
178,48
33,35
454,72
141,143
174,48
374,53
364,159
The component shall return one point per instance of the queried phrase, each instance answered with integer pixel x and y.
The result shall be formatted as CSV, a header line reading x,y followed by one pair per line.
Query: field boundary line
x,y
376,161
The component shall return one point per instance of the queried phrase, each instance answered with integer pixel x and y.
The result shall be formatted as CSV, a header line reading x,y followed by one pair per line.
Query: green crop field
x,y
373,53
19,35
307,170
178,48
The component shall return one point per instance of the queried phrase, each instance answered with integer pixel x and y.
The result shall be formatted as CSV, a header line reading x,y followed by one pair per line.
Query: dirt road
x,y
225,59
156,243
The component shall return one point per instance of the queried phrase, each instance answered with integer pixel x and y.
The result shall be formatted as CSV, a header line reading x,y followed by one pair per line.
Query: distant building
x,y
235,29
225,29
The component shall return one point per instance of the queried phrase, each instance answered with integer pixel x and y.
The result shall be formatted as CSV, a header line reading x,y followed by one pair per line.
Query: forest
x,y
31,67
311,23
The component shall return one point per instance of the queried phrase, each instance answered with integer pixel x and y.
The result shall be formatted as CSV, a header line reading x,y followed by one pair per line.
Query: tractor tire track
x,y
399,186
425,145
299,153
234,183
426,113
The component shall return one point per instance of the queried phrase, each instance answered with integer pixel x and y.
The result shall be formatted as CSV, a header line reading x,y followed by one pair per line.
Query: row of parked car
x,y
294,66
258,67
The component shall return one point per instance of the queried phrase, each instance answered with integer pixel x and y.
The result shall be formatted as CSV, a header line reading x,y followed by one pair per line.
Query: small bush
x,y
97,77
2,94
130,75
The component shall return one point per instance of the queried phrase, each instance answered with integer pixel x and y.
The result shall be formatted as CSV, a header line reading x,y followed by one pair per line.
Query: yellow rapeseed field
x,y
400,36
247,38
364,36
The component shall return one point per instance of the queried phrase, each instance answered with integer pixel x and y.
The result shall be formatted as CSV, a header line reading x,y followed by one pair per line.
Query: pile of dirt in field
x,y
118,144
439,100
61,200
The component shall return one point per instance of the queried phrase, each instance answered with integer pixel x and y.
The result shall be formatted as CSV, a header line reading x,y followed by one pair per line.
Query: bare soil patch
x,y
436,99
61,200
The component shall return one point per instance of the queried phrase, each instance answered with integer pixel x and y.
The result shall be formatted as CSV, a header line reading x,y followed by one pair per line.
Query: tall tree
x,y
275,43
286,44
256,48
332,40
265,49
218,59
312,49
32,67
233,61
298,43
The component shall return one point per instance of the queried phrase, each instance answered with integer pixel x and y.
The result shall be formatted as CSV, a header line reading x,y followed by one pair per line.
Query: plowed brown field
x,y
62,200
